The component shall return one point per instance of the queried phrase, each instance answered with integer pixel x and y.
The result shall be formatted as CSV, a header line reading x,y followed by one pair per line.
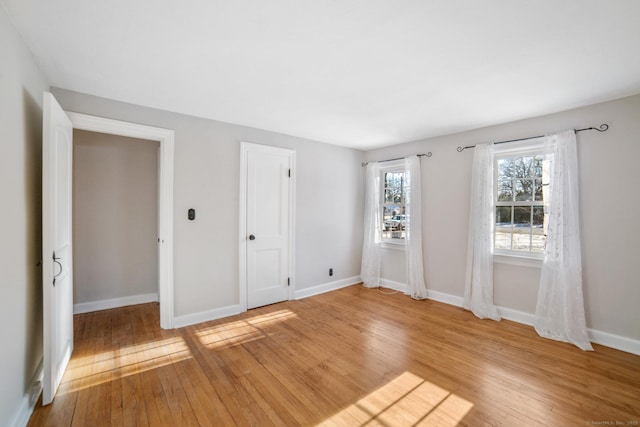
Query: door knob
x,y
252,237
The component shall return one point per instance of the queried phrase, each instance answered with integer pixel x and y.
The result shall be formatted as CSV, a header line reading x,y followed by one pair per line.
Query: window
x,y
521,180
394,190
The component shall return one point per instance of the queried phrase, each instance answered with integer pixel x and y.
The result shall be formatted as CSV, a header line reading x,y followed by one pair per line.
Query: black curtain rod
x,y
428,154
603,127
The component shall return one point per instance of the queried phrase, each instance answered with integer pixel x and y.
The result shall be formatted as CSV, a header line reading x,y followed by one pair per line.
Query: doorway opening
x,y
165,140
115,221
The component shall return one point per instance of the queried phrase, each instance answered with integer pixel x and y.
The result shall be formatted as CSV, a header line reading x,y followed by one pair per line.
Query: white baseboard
x,y
205,316
445,298
29,400
614,341
603,338
517,316
106,304
391,284
326,287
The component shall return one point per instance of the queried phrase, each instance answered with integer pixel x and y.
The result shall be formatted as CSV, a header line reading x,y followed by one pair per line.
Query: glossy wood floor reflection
x,y
349,357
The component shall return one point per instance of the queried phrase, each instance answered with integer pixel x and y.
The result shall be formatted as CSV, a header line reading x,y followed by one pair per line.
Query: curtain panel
x,y
560,307
370,267
478,292
413,230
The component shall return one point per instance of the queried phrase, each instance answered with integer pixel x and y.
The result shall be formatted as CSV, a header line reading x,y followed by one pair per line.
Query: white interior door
x,y
57,150
268,224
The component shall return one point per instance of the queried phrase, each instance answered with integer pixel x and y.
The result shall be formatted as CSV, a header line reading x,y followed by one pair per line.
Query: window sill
x,y
399,246
522,261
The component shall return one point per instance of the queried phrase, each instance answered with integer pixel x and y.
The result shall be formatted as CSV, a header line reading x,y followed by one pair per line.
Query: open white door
x,y
57,150
268,224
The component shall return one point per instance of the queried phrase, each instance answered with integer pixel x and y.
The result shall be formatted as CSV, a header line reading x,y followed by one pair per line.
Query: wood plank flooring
x,y
345,358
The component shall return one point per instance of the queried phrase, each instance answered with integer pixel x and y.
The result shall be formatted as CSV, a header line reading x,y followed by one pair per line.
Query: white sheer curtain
x,y
560,308
370,268
478,292
413,230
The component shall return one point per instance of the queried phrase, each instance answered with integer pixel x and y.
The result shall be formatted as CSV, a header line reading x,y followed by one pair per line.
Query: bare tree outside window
x,y
519,213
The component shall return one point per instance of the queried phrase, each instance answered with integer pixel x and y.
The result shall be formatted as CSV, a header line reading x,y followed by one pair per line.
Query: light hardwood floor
x,y
349,357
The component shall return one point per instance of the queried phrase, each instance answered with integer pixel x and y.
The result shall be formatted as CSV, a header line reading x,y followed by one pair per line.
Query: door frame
x,y
165,206
245,148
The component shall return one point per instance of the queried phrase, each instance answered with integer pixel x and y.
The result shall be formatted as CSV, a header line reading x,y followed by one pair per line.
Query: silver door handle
x,y
56,260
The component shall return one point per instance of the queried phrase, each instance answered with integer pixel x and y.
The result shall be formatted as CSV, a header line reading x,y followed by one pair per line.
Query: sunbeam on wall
x,y
407,400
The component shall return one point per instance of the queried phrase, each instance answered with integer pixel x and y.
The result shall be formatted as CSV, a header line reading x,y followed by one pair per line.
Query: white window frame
x,y
534,147
393,166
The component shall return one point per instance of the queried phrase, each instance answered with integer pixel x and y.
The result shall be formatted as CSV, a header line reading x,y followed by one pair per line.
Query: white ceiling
x,y
358,73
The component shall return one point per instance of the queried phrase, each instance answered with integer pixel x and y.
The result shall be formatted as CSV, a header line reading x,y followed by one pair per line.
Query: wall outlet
x,y
331,272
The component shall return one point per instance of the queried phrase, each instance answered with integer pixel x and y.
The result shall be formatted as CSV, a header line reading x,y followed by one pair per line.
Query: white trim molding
x,y
391,284
28,402
614,341
207,315
517,260
326,287
165,211
106,304
516,316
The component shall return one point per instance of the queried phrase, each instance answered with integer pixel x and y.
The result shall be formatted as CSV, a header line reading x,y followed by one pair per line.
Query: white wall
x,y
207,158
610,203
21,87
115,216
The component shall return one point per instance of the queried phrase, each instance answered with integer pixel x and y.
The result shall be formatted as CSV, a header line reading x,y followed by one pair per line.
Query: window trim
x,y
533,147
390,243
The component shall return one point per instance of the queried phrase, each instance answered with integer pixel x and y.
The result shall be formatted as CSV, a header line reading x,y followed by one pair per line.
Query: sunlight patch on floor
x,y
88,371
241,331
407,400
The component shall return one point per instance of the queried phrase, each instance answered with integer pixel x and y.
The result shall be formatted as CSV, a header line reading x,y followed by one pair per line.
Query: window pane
x,y
538,237
538,166
503,215
523,167
522,216
395,179
505,168
392,210
538,216
524,189
538,189
503,227
398,197
387,213
392,195
521,228
505,191
389,179
521,238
